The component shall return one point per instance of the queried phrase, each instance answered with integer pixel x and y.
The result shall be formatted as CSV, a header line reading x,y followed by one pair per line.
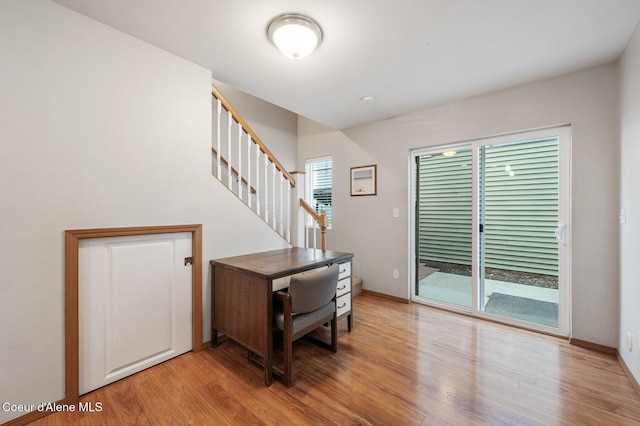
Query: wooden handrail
x,y
322,219
233,170
236,116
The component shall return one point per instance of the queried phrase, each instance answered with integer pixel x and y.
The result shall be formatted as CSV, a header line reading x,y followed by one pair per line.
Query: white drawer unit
x,y
343,294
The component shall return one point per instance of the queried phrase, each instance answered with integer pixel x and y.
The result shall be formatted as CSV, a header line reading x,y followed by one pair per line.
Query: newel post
x,y
323,221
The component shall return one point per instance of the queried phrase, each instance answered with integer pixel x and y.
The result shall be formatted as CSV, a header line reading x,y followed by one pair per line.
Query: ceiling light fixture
x,y
296,36
449,153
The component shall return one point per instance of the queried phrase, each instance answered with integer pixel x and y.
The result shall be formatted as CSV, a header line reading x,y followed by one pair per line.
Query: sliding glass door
x,y
490,228
443,226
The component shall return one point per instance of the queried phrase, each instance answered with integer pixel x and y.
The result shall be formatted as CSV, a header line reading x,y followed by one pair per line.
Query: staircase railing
x,y
257,178
321,220
246,166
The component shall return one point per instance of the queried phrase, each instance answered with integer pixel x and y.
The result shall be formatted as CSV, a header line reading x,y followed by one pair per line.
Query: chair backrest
x,y
314,290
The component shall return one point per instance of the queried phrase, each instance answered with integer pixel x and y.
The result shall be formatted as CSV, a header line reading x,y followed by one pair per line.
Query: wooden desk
x,y
242,299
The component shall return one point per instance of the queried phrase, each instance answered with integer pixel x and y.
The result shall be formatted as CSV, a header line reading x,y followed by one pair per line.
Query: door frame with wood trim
x,y
72,237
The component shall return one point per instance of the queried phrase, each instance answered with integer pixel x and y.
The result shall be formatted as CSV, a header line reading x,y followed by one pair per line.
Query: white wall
x,y
366,226
630,201
97,129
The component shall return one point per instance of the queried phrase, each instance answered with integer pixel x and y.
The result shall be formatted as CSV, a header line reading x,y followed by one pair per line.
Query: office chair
x,y
309,303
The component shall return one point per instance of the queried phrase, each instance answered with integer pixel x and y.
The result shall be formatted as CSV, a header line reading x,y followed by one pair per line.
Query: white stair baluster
x,y
273,193
249,170
288,211
258,180
240,161
218,153
315,234
266,188
230,118
306,230
281,205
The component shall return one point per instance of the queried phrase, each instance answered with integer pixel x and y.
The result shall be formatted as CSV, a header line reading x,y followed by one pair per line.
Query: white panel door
x,y
134,305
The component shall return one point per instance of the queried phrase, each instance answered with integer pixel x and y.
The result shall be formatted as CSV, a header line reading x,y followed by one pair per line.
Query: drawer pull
x,y
343,287
343,271
343,305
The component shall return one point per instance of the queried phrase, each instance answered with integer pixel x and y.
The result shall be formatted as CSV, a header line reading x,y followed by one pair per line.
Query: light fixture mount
x,y
296,36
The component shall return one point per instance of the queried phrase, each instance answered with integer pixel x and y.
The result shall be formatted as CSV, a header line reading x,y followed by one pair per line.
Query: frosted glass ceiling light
x,y
294,35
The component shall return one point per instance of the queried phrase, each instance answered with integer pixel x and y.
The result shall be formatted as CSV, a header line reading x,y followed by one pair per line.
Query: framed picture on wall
x,y
364,180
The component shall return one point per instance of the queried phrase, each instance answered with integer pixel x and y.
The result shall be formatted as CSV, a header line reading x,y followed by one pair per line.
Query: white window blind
x,y
319,191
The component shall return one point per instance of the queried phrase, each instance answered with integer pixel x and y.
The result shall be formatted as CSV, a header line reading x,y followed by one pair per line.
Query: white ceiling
x,y
407,54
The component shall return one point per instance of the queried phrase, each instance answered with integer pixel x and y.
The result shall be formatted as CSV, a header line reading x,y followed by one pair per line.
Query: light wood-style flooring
x,y
403,364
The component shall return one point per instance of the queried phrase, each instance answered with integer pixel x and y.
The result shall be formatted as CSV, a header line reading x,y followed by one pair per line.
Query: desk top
x,y
280,263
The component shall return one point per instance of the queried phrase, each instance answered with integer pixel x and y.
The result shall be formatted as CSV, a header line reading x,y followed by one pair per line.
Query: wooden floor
x,y
403,364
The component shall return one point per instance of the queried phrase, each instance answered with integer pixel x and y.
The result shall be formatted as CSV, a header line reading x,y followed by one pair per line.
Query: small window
x,y
318,186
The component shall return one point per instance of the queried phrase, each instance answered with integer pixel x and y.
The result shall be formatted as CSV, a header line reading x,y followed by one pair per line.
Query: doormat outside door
x,y
522,308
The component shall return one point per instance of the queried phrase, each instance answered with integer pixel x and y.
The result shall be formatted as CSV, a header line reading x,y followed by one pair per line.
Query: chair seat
x,y
301,321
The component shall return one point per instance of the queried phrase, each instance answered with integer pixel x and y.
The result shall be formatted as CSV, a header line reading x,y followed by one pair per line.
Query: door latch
x,y
188,261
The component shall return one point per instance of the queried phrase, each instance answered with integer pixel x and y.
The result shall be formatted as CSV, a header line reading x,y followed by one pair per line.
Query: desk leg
x,y
268,357
268,336
268,372
264,364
